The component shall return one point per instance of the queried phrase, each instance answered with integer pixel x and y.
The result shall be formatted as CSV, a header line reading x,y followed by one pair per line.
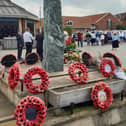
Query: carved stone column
x,y
53,44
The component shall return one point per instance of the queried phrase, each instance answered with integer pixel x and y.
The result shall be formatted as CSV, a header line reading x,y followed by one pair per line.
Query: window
x,y
69,23
8,27
109,22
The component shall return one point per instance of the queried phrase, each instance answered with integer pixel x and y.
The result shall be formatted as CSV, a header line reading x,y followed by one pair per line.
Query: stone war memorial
x,y
54,38
70,87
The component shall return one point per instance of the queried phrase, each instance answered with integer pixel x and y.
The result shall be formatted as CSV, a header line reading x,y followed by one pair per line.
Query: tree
x,y
69,30
121,27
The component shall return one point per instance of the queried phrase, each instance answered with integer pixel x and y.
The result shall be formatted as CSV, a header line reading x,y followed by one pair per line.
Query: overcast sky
x,y
78,7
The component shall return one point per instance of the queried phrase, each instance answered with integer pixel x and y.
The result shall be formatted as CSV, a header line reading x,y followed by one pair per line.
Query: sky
x,y
77,7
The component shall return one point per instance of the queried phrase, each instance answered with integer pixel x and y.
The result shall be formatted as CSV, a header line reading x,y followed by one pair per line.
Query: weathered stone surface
x,y
82,122
114,117
53,36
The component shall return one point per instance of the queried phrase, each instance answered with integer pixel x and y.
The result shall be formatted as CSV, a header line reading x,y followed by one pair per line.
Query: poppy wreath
x,y
35,70
2,69
112,55
102,96
31,58
83,71
8,60
107,67
14,76
31,111
87,58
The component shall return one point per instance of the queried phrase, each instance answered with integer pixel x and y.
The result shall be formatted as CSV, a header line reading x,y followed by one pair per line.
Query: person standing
x,y
20,45
39,38
82,39
115,41
102,39
28,40
79,38
88,38
93,38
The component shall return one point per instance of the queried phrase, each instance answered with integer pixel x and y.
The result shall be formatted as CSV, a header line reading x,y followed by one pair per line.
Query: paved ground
x,y
94,50
99,50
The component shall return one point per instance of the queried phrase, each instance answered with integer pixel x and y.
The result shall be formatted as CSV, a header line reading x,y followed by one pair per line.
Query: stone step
x,y
6,108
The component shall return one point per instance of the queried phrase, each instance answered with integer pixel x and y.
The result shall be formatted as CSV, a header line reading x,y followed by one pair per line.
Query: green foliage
x,y
121,27
70,47
69,30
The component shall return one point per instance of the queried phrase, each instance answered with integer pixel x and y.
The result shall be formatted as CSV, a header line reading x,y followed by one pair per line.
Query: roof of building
x,y
10,9
86,21
83,22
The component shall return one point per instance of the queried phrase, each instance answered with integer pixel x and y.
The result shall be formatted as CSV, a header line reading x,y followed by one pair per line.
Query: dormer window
x,y
69,23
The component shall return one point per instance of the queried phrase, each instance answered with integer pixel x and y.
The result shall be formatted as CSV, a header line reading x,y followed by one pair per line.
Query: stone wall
x,y
11,43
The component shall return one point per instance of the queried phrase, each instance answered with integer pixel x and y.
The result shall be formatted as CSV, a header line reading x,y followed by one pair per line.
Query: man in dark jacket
x,y
20,45
39,46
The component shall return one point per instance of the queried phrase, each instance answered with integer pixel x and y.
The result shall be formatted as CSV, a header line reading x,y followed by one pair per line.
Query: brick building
x,y
122,17
105,21
14,18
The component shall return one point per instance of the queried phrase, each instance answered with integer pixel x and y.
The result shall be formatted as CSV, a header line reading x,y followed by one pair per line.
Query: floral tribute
x,y
117,61
31,111
14,76
79,77
87,58
31,58
8,60
102,96
107,67
27,80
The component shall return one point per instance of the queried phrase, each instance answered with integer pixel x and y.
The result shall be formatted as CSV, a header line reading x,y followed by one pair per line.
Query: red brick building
x,y
122,17
105,21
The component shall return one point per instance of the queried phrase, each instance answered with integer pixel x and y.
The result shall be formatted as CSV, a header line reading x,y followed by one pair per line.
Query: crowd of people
x,y
90,37
99,37
27,39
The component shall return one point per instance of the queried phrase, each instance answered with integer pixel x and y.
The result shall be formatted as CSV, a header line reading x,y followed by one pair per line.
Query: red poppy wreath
x,y
102,96
31,111
14,76
107,67
36,89
78,73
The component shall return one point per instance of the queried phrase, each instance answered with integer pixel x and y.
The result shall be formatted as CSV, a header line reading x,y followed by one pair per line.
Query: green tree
x,y
121,27
69,30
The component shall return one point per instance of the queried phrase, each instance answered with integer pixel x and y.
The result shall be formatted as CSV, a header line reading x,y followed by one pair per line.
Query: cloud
x,y
75,11
32,6
78,7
